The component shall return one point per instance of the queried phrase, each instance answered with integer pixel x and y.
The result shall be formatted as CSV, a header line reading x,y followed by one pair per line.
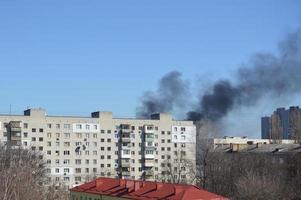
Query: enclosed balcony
x,y
149,137
125,128
125,163
149,129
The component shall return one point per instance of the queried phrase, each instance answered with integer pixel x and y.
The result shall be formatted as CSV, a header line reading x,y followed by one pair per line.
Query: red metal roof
x,y
143,190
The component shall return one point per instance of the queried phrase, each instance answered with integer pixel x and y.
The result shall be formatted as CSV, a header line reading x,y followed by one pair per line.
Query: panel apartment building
x,y
78,149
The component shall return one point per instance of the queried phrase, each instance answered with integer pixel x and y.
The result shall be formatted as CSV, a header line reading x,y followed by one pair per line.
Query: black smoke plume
x,y
171,93
264,75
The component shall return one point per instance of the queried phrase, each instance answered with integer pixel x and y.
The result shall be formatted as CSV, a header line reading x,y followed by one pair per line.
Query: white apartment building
x,y
78,149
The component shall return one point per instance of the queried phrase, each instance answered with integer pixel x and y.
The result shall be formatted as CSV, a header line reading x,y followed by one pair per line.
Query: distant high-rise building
x,y
282,124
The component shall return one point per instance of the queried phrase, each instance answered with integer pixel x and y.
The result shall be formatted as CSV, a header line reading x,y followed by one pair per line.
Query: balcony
x,y
149,129
125,163
125,153
149,163
126,139
149,156
149,137
126,173
125,128
149,173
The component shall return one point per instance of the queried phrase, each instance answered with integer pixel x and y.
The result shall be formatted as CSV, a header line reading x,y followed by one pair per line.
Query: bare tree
x,y
23,176
180,170
252,186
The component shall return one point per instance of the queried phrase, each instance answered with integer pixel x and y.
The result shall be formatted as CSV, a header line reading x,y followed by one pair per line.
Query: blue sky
x,y
75,57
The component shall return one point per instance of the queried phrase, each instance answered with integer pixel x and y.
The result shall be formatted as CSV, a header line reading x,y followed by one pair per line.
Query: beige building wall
x,y
77,149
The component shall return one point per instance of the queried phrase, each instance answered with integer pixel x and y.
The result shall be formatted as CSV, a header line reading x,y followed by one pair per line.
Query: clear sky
x,y
75,57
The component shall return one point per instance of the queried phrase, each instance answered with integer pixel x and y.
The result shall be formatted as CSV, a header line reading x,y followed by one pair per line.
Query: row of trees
x,y
246,175
23,176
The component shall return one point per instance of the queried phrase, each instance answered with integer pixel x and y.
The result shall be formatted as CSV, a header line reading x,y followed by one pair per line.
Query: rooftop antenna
x,y
9,109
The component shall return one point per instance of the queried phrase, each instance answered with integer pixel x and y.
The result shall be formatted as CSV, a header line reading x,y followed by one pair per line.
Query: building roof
x,y
134,189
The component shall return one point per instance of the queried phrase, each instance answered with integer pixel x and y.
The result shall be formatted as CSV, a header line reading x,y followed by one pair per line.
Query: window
x,y
95,127
175,137
78,161
66,170
183,145
87,126
87,152
108,131
58,126
94,152
78,135
33,139
102,131
66,144
33,148
162,141
67,135
25,143
78,126
87,135
48,135
162,132
66,152
87,170
94,170
57,153
48,161
108,140
108,157
41,130
78,170
66,126
25,135
57,135
25,125
40,148
162,149
49,125
57,170
87,161
78,178
48,170
183,137
182,128
102,148
109,148
67,179
168,141
48,152
57,161
66,161
175,128
33,130
94,135
94,161
40,139
48,144
102,140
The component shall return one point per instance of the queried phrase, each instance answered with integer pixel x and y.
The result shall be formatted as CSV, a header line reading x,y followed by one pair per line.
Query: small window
x,y
33,130
41,130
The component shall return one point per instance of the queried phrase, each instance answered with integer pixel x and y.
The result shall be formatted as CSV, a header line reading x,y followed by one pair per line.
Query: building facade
x,y
282,124
78,149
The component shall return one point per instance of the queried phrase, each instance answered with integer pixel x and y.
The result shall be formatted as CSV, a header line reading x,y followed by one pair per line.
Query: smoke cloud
x,y
171,93
265,74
